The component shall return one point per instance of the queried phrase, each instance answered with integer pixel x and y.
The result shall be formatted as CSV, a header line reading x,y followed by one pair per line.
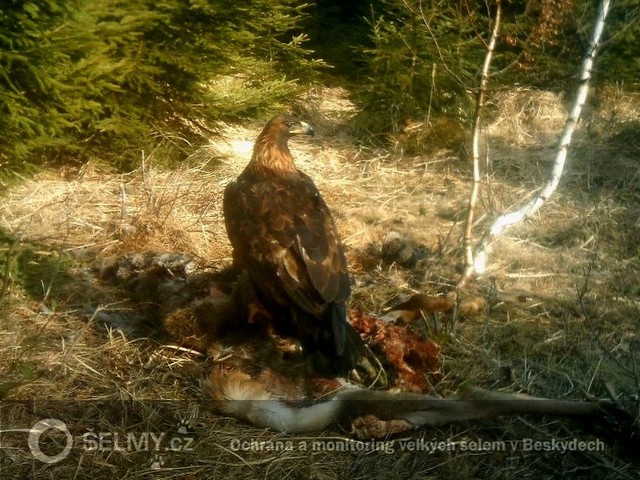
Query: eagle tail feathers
x,y
338,313
335,347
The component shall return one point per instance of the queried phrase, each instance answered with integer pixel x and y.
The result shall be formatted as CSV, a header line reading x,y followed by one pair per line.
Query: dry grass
x,y
563,318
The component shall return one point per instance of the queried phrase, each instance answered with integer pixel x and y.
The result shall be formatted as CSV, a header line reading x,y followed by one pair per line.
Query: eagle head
x,y
282,127
270,152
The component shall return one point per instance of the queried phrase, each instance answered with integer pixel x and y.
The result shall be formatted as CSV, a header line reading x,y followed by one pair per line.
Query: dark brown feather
x,y
283,235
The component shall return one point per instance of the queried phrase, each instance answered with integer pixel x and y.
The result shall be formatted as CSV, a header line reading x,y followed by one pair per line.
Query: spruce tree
x,y
108,78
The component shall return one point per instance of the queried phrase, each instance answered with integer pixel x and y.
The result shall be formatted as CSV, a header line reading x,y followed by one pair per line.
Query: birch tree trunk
x,y
532,206
475,148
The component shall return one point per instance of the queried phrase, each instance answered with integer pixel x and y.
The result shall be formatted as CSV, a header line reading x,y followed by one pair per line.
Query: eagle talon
x,y
256,310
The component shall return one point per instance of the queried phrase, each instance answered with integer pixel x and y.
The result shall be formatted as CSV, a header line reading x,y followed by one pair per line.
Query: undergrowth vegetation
x,y
110,79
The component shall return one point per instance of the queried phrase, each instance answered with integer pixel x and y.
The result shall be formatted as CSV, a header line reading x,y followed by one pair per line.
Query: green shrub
x,y
110,78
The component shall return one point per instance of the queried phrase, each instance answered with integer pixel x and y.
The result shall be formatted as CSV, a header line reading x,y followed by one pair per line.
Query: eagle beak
x,y
303,127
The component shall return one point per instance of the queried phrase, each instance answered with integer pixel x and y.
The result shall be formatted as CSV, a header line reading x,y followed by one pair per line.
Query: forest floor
x,y
561,296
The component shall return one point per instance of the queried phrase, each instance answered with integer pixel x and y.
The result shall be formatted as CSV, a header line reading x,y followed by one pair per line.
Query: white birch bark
x,y
532,206
475,148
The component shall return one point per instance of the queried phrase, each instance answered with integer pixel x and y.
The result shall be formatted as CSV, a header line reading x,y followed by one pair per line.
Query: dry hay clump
x,y
527,117
524,127
612,106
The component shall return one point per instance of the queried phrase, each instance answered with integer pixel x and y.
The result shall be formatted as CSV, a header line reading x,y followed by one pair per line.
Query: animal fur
x,y
237,394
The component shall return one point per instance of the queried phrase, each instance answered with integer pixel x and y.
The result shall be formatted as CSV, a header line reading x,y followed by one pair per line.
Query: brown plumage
x,y
283,235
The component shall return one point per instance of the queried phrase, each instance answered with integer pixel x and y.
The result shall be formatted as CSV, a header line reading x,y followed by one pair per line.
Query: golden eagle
x,y
284,237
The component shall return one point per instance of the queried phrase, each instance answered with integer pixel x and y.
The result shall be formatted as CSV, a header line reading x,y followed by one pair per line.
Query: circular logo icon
x,y
34,439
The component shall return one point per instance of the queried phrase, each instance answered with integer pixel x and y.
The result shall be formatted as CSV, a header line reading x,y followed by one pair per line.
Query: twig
x,y
123,202
431,92
6,280
437,45
178,348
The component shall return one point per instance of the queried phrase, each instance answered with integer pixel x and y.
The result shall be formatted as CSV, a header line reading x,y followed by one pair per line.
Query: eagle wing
x,y
282,232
